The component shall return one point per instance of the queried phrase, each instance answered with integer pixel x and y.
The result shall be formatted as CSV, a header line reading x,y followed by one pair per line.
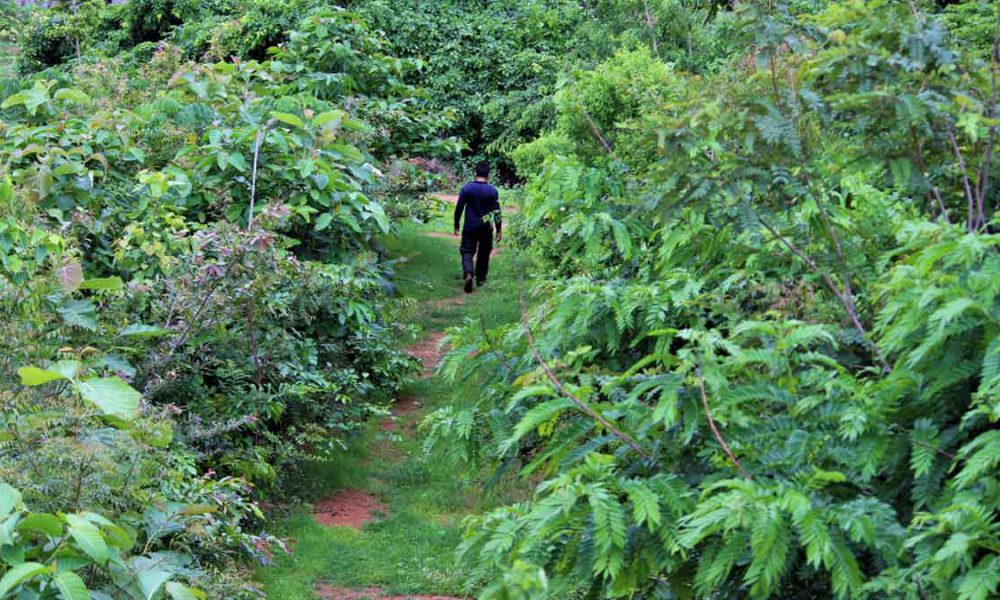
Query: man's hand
x,y
455,233
499,237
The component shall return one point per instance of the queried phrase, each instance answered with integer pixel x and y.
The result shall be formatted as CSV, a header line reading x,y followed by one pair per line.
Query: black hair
x,y
483,169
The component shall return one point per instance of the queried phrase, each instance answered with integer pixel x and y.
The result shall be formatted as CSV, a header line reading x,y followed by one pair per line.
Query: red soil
x,y
348,508
428,352
440,235
402,410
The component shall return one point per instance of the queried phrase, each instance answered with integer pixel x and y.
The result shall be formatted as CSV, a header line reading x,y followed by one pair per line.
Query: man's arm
x,y
459,209
499,215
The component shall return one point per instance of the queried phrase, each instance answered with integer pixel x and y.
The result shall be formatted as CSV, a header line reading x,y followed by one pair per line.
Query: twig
x,y
929,447
650,21
204,302
590,412
970,197
715,430
258,141
593,126
493,350
846,301
919,160
985,169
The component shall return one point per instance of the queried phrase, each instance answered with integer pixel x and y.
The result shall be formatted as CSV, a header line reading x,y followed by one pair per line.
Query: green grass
x,y
412,550
433,271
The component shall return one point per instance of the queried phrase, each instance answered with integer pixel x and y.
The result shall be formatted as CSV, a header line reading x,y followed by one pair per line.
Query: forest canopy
x,y
757,351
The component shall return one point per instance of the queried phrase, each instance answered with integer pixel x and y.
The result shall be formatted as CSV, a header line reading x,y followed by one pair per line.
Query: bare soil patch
x,y
348,508
449,198
331,593
428,352
439,235
402,412
446,302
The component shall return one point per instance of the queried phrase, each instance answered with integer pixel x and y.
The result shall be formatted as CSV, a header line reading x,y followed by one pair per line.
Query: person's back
x,y
479,202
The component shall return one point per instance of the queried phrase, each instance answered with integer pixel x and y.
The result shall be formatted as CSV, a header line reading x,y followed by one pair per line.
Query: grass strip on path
x,y
411,550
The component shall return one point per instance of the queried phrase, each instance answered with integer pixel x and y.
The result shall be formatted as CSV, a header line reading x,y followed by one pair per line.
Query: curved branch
x,y
584,408
715,430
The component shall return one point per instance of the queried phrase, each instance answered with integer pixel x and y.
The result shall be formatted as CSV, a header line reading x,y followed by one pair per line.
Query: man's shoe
x,y
468,284
480,284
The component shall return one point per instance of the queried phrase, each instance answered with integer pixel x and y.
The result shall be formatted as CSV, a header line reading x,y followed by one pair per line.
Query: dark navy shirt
x,y
478,200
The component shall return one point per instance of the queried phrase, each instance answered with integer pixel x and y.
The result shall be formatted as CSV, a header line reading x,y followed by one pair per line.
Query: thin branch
x,y
258,141
204,303
715,430
489,342
970,197
985,169
584,408
590,121
929,447
918,158
650,22
845,300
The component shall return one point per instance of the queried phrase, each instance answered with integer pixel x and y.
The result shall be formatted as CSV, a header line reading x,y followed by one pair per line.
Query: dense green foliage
x,y
760,288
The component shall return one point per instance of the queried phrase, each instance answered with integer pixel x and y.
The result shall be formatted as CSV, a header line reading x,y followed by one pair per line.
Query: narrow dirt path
x,y
354,508
390,518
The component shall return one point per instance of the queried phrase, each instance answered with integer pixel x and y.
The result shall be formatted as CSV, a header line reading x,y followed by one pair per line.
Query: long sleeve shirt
x,y
480,202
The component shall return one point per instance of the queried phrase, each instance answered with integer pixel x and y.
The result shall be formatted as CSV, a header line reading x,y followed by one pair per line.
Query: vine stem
x,y
715,430
584,408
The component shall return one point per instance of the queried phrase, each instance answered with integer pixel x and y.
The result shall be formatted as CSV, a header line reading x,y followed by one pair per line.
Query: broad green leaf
x,y
81,313
152,580
30,99
6,189
45,523
72,95
119,365
88,537
36,376
289,119
71,586
140,330
118,537
10,499
237,161
112,395
67,368
68,168
12,554
157,436
18,575
323,221
104,283
330,116
180,591
198,509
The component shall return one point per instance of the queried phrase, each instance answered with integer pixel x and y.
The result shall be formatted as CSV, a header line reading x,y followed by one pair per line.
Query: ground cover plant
x,y
741,341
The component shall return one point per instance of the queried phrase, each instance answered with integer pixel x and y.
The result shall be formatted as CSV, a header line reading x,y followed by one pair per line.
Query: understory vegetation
x,y
747,343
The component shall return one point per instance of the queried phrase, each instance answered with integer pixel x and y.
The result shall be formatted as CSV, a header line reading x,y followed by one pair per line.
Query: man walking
x,y
480,202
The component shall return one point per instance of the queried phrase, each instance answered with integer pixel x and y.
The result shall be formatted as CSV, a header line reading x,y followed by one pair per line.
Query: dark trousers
x,y
478,242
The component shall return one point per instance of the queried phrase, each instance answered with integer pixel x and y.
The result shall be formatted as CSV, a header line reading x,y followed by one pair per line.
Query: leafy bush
x,y
761,360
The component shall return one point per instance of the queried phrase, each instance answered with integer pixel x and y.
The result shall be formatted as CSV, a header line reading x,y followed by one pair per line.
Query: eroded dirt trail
x,y
355,508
